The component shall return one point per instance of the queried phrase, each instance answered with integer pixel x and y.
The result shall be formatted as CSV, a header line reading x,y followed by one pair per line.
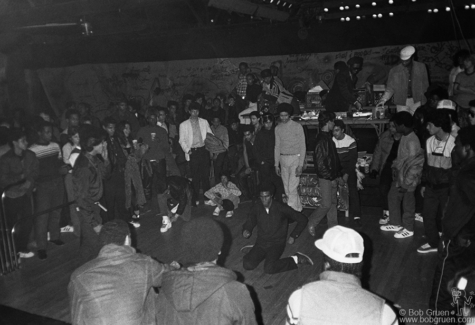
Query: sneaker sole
x,y
427,251
391,230
311,262
404,237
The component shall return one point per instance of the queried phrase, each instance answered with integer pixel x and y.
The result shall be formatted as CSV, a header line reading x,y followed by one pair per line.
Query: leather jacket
x,y
327,163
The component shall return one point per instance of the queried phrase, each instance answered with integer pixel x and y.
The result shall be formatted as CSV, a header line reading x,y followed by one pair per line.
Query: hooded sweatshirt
x,y
209,295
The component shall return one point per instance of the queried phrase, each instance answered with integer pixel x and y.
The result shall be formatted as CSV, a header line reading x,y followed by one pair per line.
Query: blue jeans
x,y
327,206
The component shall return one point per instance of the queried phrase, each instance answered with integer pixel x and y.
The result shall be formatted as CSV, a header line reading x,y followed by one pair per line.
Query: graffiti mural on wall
x,y
100,84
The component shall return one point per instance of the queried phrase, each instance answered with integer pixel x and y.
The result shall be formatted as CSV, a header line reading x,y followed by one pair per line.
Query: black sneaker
x,y
57,242
42,254
303,259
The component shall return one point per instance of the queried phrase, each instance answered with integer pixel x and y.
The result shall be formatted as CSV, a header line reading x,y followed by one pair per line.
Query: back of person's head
x,y
404,118
355,60
172,103
324,117
460,56
441,119
340,65
201,241
114,232
108,120
90,136
343,250
71,112
266,73
340,124
440,92
13,134
466,135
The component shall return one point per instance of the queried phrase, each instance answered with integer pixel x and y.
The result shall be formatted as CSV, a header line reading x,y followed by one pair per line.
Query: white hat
x,y
447,104
407,52
338,242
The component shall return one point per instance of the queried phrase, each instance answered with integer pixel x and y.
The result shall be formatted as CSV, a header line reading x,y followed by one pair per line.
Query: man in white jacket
x,y
192,140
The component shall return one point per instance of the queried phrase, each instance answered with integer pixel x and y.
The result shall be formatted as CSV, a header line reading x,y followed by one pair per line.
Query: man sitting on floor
x,y
272,220
203,292
338,298
115,288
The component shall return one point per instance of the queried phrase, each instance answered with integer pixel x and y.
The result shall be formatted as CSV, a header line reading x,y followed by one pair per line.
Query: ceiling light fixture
x,y
373,4
347,18
391,2
358,17
436,10
447,8
342,8
391,14
357,6
326,9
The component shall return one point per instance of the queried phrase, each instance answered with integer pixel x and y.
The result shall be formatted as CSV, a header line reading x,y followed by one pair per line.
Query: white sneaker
x,y
404,233
26,255
166,224
135,223
229,214
418,217
216,211
390,228
426,248
210,202
67,228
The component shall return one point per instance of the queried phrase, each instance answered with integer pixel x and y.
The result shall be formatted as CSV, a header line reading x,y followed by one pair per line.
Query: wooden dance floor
x,y
394,270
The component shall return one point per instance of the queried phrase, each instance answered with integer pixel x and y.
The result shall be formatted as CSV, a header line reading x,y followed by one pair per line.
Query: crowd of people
x,y
95,178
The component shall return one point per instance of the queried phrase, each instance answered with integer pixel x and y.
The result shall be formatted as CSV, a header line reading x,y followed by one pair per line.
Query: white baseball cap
x,y
407,52
447,104
338,242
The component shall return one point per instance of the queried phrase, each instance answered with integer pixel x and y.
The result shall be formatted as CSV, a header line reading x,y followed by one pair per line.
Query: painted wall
x,y
100,84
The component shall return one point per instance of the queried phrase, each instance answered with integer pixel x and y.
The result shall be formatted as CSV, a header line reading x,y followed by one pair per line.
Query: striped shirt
x,y
50,161
347,152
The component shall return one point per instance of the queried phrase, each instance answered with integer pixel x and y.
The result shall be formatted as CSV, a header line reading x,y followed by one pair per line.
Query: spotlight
x,y
375,16
429,10
278,2
467,7
391,2
447,8
347,18
212,20
436,10
472,6
346,7
342,8
357,6
342,19
358,17
326,9
380,16
373,4
290,6
391,14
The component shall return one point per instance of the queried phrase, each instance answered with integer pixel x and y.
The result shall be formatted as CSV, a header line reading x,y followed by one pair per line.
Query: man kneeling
x,y
272,220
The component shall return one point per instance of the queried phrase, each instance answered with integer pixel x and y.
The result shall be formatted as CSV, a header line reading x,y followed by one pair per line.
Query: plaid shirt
x,y
242,85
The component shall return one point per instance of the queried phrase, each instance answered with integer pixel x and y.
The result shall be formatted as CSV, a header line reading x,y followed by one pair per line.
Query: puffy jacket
x,y
409,175
327,163
204,295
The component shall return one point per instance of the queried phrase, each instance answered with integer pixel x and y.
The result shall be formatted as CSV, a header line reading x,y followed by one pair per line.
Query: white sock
x,y
296,259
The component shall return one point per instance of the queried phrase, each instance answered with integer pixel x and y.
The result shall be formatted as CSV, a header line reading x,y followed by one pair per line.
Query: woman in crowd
x,y
72,146
133,181
464,86
225,196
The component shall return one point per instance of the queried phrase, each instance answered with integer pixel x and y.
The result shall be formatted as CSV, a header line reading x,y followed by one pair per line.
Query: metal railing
x,y
9,260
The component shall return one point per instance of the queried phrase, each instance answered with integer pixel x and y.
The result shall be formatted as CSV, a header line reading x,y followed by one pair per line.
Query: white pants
x,y
409,107
246,120
288,167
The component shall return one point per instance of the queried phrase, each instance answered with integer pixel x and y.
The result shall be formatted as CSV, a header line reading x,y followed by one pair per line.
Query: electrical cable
x,y
441,276
460,28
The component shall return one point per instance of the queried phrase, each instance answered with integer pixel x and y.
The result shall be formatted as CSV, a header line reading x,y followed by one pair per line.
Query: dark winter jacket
x,y
341,95
460,211
206,295
327,162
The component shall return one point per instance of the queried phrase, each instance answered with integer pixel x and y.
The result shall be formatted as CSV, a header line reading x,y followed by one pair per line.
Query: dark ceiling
x,y
66,32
